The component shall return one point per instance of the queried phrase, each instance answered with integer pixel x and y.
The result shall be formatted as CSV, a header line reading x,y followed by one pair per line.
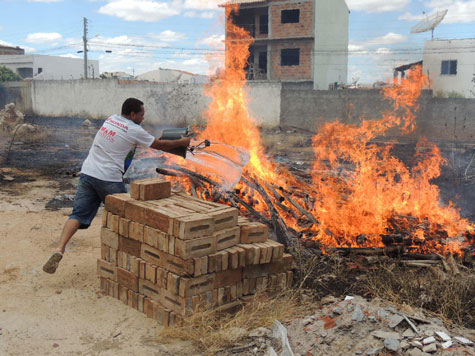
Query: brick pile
x,y
169,255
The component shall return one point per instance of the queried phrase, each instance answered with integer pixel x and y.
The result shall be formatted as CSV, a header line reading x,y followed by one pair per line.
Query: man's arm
x,y
167,145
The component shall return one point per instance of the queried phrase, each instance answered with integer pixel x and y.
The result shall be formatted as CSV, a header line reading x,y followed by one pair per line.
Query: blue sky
x,y
186,34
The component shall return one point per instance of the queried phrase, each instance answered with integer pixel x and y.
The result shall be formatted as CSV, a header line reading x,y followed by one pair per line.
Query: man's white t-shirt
x,y
116,138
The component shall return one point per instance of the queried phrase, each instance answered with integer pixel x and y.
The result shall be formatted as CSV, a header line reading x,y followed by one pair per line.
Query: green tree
x,y
7,75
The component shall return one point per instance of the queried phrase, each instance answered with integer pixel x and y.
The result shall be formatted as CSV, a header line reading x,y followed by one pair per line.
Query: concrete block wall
x,y
165,104
438,119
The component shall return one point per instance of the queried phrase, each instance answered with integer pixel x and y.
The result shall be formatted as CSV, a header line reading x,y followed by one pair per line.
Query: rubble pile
x,y
170,255
356,326
10,118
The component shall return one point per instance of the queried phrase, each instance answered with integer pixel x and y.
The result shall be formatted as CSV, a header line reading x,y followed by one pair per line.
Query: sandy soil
x,y
64,313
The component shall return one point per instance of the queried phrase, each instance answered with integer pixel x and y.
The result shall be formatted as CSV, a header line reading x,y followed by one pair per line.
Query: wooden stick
x,y
251,209
279,225
300,209
191,173
165,172
279,201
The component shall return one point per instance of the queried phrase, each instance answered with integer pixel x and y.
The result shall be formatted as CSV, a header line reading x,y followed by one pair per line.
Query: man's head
x,y
133,109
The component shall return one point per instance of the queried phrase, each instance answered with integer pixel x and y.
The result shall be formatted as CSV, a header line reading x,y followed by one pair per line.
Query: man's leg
x,y
86,203
69,229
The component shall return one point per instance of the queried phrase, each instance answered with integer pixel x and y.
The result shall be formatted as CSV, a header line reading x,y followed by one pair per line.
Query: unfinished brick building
x,y
296,41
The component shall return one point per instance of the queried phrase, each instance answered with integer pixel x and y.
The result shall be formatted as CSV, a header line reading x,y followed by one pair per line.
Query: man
x,y
102,171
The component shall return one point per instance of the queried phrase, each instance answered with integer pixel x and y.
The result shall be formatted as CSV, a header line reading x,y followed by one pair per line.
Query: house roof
x,y
240,2
408,66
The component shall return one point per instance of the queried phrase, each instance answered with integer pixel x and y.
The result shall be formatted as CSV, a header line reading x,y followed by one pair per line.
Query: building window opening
x,y
449,67
40,70
290,16
263,62
290,57
25,72
264,24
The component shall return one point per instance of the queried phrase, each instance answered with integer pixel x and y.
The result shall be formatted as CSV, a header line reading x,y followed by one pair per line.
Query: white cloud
x,y
459,11
387,39
8,44
383,51
169,36
215,41
70,55
43,37
140,10
195,62
355,48
202,4
410,17
376,6
203,14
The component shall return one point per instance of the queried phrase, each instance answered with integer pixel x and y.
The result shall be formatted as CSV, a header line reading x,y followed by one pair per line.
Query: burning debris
x,y
357,194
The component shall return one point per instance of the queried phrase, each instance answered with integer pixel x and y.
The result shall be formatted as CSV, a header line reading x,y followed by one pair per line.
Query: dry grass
x,y
27,136
297,141
450,295
211,331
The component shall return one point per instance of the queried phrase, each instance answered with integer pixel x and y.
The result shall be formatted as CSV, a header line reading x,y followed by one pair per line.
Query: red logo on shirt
x,y
118,124
107,134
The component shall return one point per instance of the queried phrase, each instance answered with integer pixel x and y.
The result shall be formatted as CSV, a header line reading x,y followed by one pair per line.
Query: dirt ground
x,y
64,313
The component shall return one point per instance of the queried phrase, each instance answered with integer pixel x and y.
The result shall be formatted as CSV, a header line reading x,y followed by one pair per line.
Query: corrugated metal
x,y
233,2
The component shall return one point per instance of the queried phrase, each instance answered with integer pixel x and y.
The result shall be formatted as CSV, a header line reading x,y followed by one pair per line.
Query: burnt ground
x,y
59,156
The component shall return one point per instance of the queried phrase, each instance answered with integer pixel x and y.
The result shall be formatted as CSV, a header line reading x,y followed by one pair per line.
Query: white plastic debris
x,y
447,344
279,331
463,340
443,335
349,298
428,340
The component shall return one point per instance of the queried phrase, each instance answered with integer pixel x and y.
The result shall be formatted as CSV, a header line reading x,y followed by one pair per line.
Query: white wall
x,y
53,67
165,103
330,62
461,50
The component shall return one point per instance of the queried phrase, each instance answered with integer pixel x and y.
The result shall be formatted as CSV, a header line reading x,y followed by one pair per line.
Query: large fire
x,y
359,191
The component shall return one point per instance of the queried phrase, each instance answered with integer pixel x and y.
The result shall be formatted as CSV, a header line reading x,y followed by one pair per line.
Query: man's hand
x,y
167,145
185,141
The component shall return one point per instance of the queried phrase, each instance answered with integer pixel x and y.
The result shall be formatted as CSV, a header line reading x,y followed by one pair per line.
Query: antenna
x,y
429,23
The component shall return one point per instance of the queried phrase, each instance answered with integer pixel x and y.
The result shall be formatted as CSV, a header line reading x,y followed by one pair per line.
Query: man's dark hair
x,y
131,105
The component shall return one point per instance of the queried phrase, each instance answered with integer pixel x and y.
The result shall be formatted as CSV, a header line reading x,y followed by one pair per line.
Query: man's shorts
x,y
91,192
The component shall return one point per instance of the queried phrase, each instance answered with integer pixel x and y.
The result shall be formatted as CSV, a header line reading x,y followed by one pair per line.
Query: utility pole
x,y
85,48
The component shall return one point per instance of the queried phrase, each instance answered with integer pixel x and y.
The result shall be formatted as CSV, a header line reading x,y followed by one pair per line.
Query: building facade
x,y
6,50
450,66
40,67
304,40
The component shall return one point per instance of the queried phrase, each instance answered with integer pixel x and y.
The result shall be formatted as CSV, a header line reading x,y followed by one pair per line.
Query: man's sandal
x,y
53,262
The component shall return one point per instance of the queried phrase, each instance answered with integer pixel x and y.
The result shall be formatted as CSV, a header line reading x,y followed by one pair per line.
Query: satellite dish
x,y
429,23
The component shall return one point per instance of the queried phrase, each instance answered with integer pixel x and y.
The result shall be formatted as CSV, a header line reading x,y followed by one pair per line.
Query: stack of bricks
x,y
170,255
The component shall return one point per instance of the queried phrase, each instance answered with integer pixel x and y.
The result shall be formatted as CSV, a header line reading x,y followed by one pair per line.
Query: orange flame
x,y
358,186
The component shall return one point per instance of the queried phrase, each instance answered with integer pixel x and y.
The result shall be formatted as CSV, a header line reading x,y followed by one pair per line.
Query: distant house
x,y
296,40
6,50
450,65
163,75
118,75
40,67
